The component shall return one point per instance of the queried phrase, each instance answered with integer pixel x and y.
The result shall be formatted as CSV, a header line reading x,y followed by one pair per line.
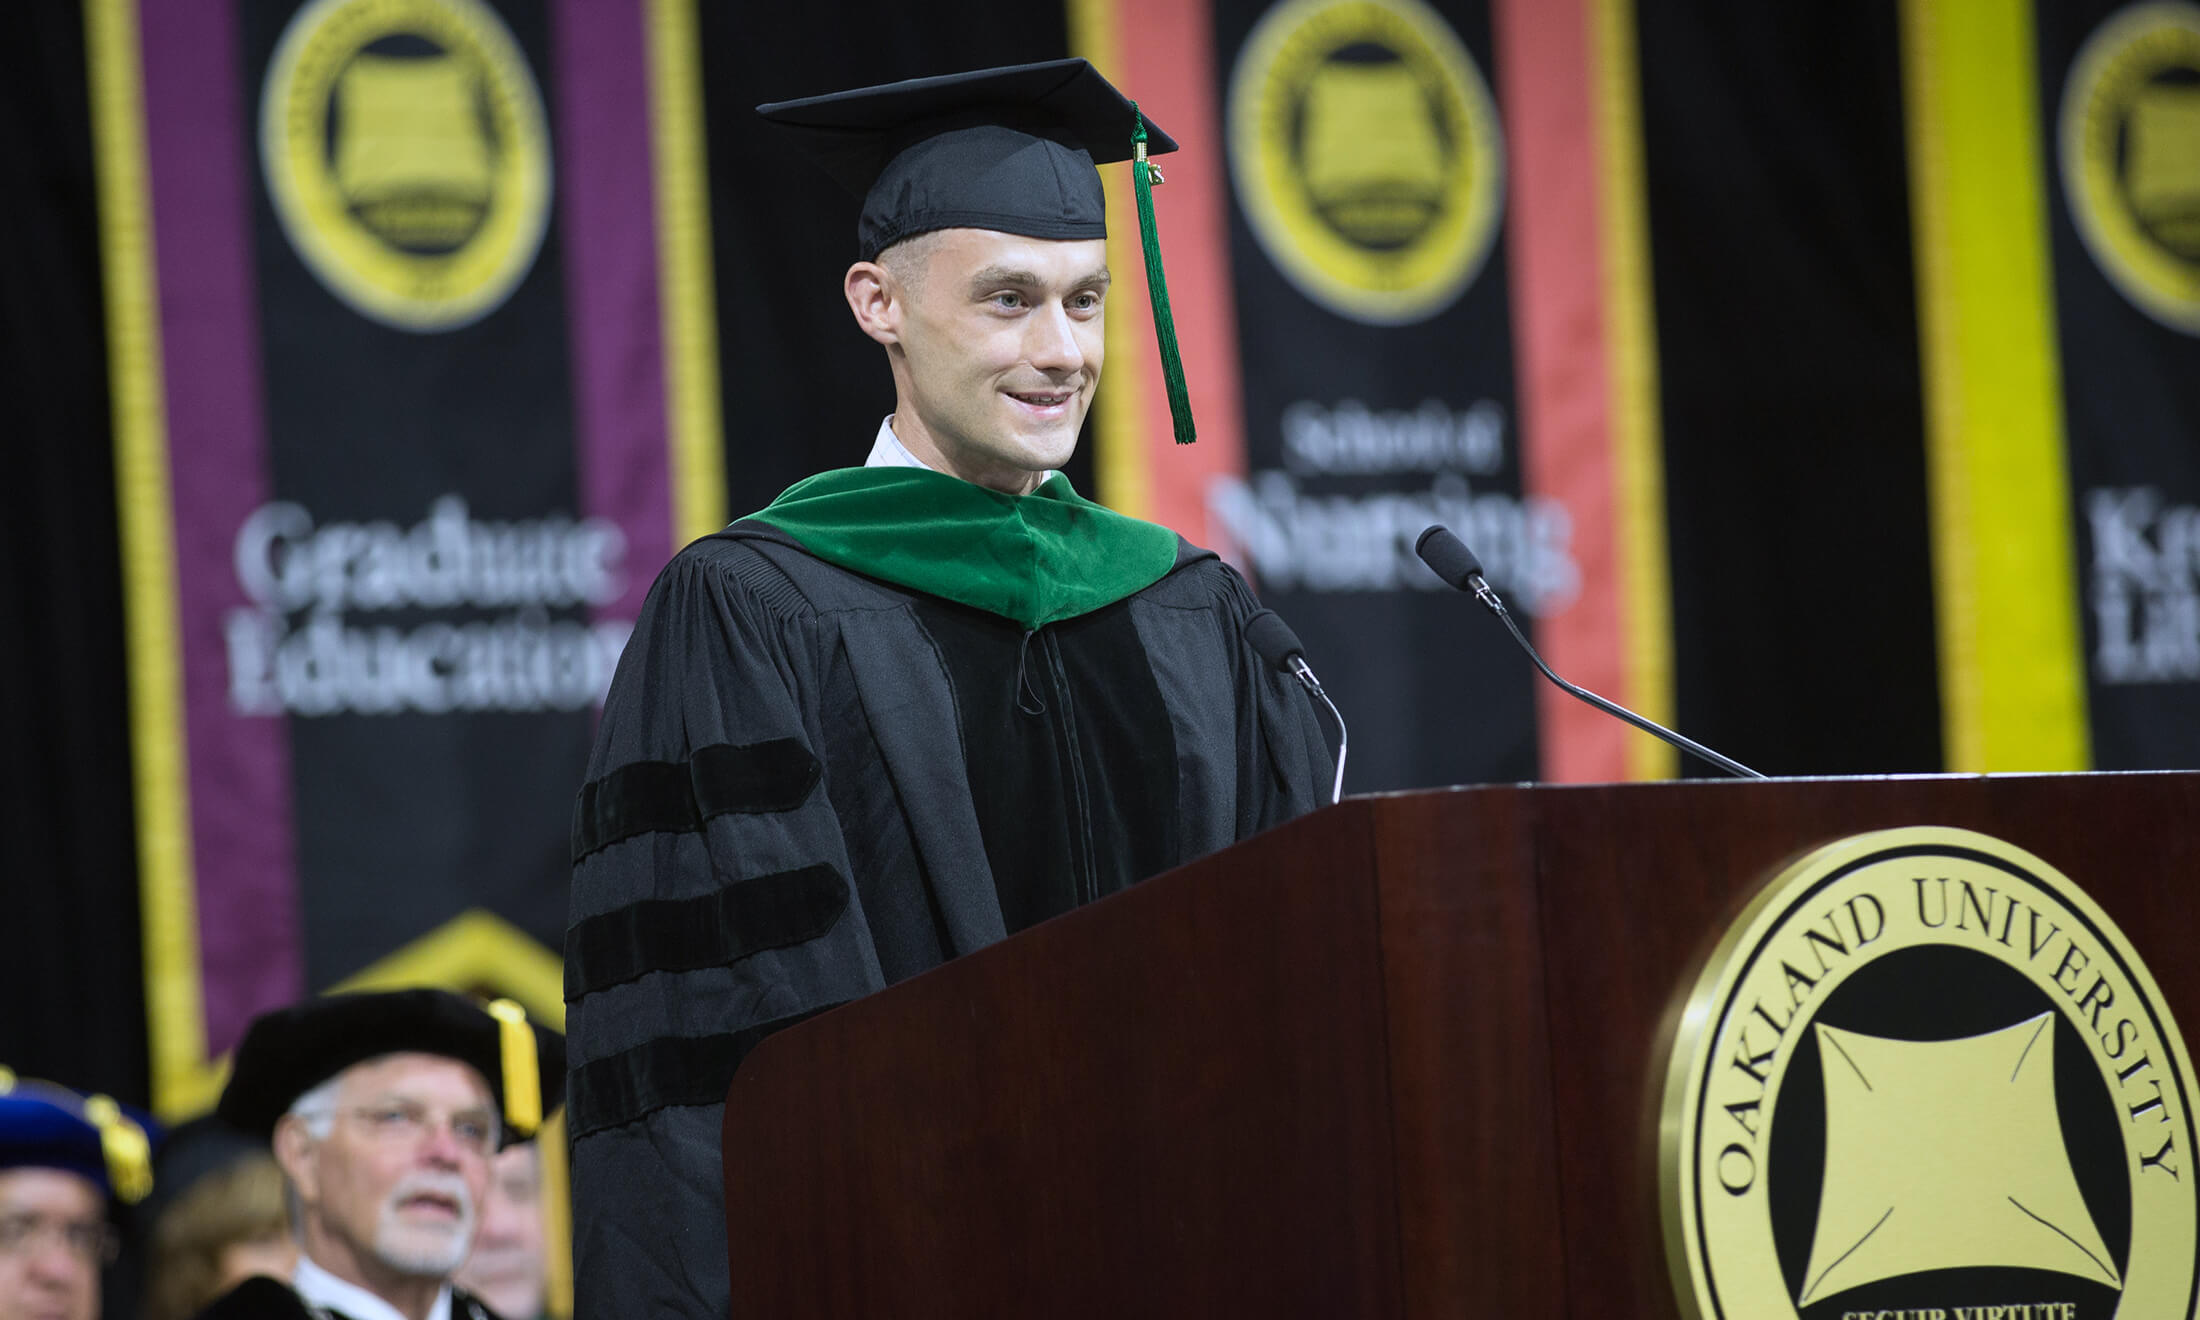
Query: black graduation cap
x,y
290,1051
1010,149
47,1126
1013,149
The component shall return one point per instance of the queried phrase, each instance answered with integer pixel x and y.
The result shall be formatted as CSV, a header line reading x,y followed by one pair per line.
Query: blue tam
x,y
45,1126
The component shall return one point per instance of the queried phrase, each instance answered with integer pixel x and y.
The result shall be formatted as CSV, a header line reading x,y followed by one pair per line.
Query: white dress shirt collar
x,y
888,451
318,1287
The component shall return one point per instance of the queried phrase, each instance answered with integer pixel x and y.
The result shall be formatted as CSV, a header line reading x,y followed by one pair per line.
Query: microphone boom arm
x,y
1489,597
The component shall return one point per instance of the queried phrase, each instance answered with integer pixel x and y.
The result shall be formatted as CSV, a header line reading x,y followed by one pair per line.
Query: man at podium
x,y
907,709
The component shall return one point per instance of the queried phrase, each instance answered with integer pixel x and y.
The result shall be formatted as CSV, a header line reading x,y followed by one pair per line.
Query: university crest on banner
x,y
407,154
2130,146
1367,155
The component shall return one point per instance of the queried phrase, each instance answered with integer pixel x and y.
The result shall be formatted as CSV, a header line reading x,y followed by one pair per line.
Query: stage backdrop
x,y
1825,380
1828,380
414,392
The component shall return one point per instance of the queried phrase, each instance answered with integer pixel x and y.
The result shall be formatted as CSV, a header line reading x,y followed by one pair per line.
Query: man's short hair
x,y
316,1108
909,258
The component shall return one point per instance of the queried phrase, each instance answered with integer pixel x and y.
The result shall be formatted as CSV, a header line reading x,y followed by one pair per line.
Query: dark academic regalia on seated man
x,y
289,1051
262,1298
890,719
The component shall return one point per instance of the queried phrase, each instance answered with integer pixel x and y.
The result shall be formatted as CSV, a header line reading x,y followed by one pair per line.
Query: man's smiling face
x,y
996,342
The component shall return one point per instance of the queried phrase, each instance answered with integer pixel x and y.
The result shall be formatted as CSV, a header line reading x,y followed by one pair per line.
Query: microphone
x,y
1448,557
1279,646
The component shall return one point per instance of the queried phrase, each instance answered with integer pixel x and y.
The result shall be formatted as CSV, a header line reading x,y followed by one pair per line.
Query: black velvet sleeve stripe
x,y
680,935
683,1070
650,796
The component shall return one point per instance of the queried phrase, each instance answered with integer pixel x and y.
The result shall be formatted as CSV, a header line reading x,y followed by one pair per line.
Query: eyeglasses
x,y
401,1122
94,1244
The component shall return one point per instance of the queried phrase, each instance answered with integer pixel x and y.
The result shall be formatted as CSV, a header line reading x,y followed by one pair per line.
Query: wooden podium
x,y
1397,1058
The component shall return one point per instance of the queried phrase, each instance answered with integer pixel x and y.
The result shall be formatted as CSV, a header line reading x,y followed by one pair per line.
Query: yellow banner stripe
x,y
684,288
2012,688
152,639
1638,464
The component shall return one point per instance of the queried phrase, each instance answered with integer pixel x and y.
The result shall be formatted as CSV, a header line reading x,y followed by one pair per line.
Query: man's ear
x,y
876,299
295,1152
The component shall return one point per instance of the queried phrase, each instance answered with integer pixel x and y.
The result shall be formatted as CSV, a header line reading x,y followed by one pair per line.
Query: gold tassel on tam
x,y
522,1072
129,1154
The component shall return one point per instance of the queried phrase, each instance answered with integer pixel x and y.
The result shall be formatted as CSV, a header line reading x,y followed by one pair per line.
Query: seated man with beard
x,y
386,1112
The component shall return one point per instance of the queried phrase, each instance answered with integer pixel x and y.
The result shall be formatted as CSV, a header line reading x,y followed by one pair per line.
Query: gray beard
x,y
408,1254
425,1252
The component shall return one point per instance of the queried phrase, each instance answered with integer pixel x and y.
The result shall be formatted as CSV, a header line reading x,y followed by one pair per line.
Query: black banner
x,y
1368,171
2120,105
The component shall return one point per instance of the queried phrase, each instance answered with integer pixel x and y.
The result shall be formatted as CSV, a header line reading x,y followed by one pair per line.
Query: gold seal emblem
x,y
1367,156
2130,139
405,151
1924,1075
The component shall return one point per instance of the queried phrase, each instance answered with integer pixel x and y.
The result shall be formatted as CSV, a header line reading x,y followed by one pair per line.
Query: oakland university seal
x,y
1924,1076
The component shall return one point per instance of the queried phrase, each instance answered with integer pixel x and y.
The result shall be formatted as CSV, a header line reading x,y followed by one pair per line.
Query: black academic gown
x,y
262,1298
779,817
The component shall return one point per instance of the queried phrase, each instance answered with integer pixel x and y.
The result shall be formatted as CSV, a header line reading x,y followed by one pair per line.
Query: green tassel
x,y
1157,284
